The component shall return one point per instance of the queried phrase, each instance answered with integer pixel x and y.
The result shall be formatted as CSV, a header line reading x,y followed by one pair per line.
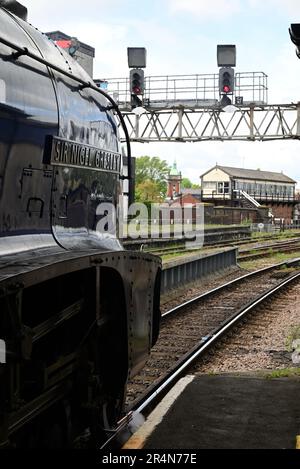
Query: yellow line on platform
x,y
297,441
135,442
139,438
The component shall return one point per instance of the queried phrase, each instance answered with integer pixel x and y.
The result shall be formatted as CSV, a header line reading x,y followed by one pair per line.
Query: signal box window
x,y
223,187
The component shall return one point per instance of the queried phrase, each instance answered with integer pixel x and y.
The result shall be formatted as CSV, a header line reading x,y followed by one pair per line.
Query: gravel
x,y
264,343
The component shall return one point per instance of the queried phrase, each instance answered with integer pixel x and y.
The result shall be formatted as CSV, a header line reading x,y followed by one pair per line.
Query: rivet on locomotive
x,y
78,313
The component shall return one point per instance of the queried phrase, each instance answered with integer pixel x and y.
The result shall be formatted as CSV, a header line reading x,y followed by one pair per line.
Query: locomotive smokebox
x,y
15,7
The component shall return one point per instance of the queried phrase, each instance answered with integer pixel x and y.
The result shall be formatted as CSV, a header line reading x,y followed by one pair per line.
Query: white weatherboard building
x,y
239,187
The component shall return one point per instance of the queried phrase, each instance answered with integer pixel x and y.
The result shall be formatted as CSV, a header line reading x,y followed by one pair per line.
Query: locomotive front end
x,y
78,314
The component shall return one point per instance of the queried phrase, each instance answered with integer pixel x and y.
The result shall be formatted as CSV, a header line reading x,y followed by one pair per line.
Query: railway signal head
x,y
226,80
137,81
294,31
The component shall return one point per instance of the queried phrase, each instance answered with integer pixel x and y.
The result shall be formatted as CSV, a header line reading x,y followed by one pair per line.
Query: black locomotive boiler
x,y
78,313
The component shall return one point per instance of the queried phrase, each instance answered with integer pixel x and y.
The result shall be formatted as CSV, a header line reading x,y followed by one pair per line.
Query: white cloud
x,y
284,76
290,6
194,159
206,8
55,11
220,9
284,7
110,34
108,42
152,31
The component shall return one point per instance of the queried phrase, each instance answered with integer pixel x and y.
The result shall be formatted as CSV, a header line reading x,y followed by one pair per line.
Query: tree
x,y
153,169
186,183
148,192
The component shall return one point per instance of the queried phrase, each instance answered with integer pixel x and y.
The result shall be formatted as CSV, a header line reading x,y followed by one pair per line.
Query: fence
x,y
277,226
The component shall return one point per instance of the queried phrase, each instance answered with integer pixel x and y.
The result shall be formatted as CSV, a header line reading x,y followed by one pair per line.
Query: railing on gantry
x,y
200,90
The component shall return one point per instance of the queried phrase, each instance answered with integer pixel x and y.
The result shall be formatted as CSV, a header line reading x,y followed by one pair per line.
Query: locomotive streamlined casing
x,y
78,313
37,102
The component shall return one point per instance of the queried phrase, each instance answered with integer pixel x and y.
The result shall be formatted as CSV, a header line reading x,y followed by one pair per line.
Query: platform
x,y
226,412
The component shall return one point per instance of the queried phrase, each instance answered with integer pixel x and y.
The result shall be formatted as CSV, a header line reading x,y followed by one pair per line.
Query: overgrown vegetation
x,y
274,259
283,373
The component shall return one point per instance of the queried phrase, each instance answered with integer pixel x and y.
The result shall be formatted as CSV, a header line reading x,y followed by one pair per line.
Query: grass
x,y
144,230
189,252
247,265
273,256
283,373
274,259
279,234
171,255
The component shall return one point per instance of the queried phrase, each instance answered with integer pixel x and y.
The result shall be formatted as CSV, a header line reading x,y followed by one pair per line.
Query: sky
x,y
181,37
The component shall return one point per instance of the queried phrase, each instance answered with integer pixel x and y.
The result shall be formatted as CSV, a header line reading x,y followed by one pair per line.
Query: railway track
x,y
189,330
193,321
255,252
232,242
268,250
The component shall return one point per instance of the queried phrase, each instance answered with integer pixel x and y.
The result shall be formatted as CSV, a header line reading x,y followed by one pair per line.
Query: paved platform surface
x,y
222,411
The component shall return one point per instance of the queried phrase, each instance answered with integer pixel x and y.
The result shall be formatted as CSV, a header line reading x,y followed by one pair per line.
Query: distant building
x,y
174,183
176,194
248,188
83,53
297,207
190,196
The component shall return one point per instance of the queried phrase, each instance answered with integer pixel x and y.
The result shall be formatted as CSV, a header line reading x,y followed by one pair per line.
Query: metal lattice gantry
x,y
186,108
246,123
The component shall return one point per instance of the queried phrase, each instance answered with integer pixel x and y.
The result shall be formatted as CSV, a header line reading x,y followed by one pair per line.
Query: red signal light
x,y
226,89
136,90
226,80
137,82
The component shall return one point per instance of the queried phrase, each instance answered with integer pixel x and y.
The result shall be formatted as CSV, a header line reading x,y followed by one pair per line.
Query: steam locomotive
x,y
78,313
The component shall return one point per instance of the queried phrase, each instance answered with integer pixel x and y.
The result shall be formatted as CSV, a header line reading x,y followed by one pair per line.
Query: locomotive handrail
x,y
85,84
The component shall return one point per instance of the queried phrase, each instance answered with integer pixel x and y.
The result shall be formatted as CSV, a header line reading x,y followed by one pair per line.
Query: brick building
x,y
174,183
190,196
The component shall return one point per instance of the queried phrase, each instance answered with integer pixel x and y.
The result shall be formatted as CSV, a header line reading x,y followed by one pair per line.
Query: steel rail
x,y
208,341
222,287
147,244
181,248
268,253
287,242
148,399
